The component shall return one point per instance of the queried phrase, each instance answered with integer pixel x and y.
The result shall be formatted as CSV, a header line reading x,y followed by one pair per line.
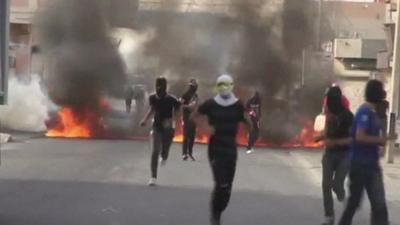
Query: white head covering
x,y
225,78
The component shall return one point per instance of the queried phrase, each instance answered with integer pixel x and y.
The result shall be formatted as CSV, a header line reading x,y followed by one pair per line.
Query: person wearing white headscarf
x,y
220,117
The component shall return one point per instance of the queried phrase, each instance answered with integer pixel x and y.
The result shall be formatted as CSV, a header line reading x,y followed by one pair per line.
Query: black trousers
x,y
161,140
189,135
366,177
253,135
335,166
223,168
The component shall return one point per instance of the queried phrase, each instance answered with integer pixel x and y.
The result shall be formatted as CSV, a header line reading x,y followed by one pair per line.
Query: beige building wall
x,y
357,20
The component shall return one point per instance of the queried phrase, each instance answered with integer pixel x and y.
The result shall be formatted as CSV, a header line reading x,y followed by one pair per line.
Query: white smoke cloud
x,y
131,47
27,108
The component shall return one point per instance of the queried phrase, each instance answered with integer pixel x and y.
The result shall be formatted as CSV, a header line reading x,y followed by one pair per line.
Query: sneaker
x,y
192,158
185,157
162,162
329,221
152,181
249,151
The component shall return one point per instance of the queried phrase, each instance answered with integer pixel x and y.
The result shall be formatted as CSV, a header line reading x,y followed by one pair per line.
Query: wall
x,y
350,20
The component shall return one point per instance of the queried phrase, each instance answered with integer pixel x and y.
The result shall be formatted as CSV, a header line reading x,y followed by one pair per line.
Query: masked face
x,y
334,104
225,89
161,87
193,86
334,100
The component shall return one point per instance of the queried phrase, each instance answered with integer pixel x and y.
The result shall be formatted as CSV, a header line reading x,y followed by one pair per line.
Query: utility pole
x,y
319,26
4,44
394,104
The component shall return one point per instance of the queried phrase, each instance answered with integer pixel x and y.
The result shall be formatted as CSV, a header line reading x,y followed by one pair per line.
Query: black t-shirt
x,y
339,126
187,99
163,108
225,120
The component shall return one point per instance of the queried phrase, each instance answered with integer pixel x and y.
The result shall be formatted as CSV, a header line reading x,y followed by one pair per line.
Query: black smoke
x,y
260,43
82,60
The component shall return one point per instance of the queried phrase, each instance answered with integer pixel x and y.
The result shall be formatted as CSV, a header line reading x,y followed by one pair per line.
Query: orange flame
x,y
72,123
305,138
201,138
88,123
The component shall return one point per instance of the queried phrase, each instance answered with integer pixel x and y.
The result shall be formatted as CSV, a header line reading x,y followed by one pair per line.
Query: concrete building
x,y
359,35
357,22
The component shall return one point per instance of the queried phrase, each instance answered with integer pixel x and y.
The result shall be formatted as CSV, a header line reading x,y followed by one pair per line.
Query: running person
x,y
189,102
128,98
220,117
253,108
165,109
335,159
365,170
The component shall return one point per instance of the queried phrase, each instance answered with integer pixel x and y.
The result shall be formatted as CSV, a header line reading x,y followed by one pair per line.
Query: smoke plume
x,y
27,106
259,42
82,61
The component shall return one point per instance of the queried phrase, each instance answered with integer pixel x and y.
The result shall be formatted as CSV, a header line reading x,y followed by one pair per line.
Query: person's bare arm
x,y
337,141
149,113
192,105
363,137
321,136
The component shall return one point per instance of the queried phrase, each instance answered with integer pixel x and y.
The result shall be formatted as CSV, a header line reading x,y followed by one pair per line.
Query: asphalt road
x,y
103,182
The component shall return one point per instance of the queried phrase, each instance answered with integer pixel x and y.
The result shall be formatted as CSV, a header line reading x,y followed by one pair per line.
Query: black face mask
x,y
335,104
193,88
161,92
161,88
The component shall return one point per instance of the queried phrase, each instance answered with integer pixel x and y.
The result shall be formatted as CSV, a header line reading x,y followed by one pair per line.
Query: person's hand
x,y
143,123
329,142
318,139
210,130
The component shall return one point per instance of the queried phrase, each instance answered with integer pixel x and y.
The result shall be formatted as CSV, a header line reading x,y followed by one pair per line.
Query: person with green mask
x,y
220,117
